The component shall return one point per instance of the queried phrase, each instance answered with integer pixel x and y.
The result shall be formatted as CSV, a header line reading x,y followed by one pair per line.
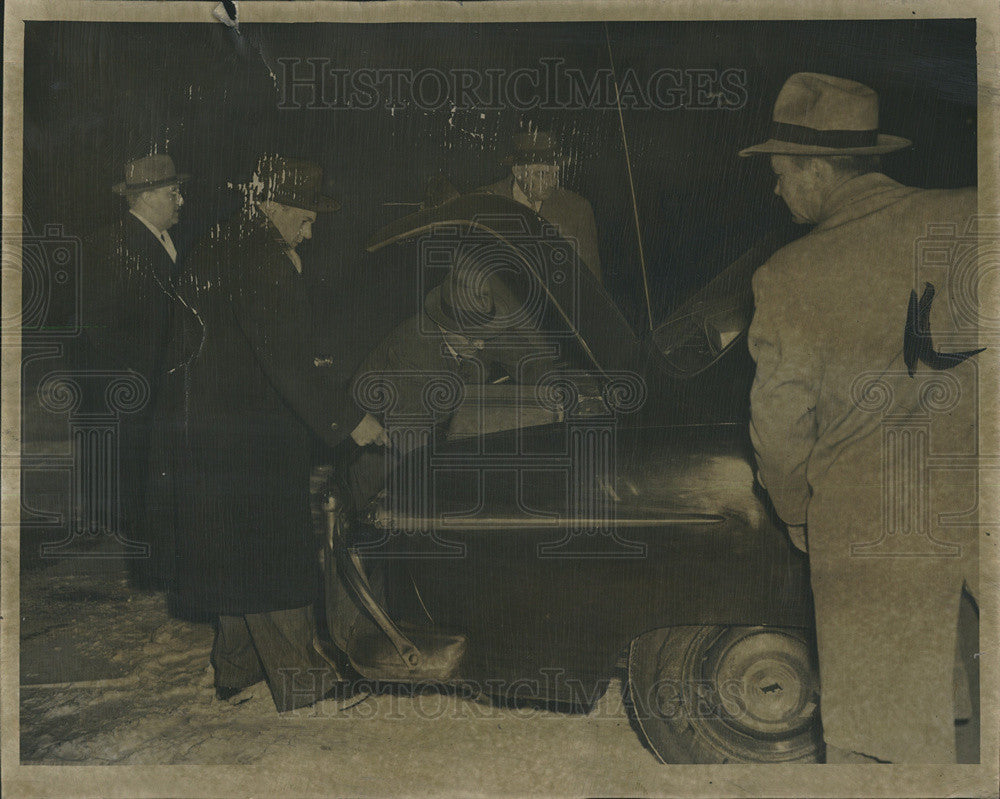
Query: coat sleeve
x,y
783,397
268,315
398,371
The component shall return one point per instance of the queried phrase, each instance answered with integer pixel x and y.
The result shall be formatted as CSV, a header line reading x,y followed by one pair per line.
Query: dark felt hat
x,y
474,304
538,147
293,182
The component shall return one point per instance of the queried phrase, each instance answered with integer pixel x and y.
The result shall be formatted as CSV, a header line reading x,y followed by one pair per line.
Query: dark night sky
x,y
99,94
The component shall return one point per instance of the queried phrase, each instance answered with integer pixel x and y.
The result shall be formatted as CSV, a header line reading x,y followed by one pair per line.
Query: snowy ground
x,y
109,677
142,694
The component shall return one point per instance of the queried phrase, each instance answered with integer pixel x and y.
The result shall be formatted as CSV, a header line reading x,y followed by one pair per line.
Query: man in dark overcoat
x,y
135,321
261,399
866,376
535,165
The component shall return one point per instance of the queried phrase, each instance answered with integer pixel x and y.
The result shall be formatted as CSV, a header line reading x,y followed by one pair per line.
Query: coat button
x,y
333,425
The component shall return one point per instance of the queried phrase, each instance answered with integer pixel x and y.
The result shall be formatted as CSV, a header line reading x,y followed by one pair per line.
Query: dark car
x,y
609,510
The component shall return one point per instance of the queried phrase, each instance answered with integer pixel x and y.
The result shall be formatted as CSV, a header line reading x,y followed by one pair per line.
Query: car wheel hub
x,y
764,682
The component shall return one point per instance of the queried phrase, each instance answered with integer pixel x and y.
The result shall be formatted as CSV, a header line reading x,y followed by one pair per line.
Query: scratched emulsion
x,y
386,109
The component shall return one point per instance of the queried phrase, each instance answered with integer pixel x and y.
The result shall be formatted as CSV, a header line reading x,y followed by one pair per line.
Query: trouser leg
x,y
234,657
886,635
298,674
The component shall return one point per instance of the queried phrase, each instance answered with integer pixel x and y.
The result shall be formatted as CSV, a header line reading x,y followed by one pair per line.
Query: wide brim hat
x,y
538,147
825,115
148,173
458,307
293,182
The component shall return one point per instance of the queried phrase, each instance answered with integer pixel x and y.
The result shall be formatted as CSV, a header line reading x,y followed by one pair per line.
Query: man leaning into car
x,y
455,336
845,353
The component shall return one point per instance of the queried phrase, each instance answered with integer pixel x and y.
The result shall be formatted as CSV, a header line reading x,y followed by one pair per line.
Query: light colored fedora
x,y
825,115
151,172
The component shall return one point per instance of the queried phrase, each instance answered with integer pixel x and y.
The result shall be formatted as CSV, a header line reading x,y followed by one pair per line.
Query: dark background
x,y
99,94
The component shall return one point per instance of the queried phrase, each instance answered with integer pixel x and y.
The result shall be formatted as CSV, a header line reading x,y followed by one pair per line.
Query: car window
x,y
715,317
693,341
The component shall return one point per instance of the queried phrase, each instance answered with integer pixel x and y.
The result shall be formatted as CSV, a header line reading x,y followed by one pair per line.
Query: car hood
x,y
579,305
683,476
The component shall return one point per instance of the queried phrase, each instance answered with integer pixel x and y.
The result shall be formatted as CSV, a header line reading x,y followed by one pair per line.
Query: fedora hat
x,y
825,115
151,172
538,147
290,181
477,309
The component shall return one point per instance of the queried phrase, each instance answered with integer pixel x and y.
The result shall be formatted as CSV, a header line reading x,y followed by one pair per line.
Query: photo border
x,y
678,780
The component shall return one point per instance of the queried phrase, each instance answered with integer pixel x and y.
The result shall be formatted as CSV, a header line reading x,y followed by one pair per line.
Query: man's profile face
x,y
537,181
294,224
464,346
162,206
799,185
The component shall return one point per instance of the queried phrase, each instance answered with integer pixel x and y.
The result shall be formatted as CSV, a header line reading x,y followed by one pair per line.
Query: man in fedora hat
x,y
261,401
844,336
135,320
535,164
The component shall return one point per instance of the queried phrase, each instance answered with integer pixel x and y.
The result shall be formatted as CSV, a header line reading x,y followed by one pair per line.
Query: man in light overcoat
x,y
535,165
864,418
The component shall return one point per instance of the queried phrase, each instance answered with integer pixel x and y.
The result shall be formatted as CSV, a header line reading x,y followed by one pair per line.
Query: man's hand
x,y
369,431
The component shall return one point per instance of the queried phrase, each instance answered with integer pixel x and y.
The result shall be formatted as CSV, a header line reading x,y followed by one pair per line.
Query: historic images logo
x,y
315,83
929,412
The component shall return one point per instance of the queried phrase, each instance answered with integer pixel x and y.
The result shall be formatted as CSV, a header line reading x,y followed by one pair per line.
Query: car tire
x,y
720,694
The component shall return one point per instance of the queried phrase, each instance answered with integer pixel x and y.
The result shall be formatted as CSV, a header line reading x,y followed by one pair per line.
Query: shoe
x,y
234,696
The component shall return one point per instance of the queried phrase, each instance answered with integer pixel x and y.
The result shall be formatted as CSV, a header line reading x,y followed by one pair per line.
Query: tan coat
x,y
879,464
